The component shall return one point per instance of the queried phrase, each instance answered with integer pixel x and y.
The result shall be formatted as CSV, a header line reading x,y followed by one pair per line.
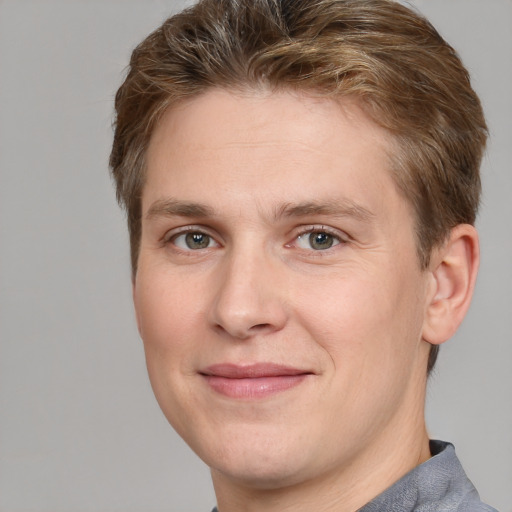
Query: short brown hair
x,y
407,78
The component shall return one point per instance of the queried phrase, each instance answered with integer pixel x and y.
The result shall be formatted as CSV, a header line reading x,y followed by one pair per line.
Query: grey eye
x,y
194,240
317,240
197,240
321,241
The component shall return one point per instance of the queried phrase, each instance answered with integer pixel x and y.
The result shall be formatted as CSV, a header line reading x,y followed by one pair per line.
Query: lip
x,y
253,381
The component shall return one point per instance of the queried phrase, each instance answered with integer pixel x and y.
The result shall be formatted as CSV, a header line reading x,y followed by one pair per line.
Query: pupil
x,y
320,240
197,240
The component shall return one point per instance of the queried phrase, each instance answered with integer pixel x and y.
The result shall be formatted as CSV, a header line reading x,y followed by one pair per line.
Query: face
x,y
278,293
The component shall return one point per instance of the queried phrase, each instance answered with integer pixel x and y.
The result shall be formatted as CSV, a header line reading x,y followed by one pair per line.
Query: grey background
x,y
79,427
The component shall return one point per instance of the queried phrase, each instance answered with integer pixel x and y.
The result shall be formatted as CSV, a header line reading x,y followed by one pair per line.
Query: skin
x,y
249,177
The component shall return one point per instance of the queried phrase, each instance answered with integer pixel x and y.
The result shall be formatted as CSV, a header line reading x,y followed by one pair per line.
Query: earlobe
x,y
453,273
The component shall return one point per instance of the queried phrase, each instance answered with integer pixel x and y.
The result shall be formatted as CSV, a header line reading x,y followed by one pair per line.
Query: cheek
x,y
166,308
167,328
373,319
164,326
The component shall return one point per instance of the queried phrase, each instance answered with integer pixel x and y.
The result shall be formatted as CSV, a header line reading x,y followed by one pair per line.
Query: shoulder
x,y
459,493
438,485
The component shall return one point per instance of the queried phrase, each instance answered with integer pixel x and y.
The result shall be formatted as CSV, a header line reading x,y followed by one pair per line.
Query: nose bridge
x,y
248,299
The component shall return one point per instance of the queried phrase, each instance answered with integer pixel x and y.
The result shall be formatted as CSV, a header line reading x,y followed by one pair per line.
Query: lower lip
x,y
253,388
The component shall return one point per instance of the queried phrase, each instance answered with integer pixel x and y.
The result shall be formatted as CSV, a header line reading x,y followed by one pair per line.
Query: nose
x,y
249,299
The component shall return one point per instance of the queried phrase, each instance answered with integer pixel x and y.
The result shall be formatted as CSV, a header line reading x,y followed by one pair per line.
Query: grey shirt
x,y
437,485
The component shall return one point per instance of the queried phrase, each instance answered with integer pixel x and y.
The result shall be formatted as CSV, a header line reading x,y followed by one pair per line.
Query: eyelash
x,y
170,238
340,238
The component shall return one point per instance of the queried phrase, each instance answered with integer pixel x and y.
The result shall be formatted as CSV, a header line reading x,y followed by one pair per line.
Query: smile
x,y
254,381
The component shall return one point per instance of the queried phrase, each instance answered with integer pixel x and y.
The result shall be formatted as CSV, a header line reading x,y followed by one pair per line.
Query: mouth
x,y
253,381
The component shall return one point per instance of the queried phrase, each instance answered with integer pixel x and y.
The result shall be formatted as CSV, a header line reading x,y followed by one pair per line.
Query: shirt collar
x,y
440,483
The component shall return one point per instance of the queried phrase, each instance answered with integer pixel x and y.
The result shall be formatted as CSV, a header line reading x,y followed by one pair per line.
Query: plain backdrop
x,y
80,430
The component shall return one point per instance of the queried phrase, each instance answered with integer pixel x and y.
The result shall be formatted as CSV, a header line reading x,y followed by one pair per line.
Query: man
x,y
301,180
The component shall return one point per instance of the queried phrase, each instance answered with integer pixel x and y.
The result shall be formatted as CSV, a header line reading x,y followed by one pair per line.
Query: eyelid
x,y
321,228
341,236
172,234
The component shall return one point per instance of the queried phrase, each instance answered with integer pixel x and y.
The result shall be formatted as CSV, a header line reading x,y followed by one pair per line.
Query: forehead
x,y
247,113
262,146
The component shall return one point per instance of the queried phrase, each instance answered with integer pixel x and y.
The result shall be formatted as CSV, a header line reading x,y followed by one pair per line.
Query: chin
x,y
261,462
259,475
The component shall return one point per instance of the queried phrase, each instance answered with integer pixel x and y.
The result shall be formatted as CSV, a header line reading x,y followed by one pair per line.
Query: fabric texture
x,y
438,485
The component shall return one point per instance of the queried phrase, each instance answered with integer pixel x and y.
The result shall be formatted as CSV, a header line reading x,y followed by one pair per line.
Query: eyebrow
x,y
172,207
336,208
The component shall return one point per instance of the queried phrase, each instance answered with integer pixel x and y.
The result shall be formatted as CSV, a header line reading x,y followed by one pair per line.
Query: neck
x,y
400,447
343,490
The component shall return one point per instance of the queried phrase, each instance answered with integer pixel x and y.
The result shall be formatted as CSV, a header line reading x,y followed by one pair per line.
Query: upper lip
x,y
251,371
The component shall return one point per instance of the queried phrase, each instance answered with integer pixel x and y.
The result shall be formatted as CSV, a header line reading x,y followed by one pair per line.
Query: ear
x,y
453,270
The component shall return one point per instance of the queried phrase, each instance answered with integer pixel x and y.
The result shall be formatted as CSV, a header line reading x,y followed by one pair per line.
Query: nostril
x,y
245,333
260,327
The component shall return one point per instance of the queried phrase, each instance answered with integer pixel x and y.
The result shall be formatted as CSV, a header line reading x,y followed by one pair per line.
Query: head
x,y
300,180
404,76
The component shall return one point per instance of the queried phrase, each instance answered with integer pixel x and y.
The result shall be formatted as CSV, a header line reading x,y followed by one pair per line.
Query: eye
x,y
317,240
193,241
